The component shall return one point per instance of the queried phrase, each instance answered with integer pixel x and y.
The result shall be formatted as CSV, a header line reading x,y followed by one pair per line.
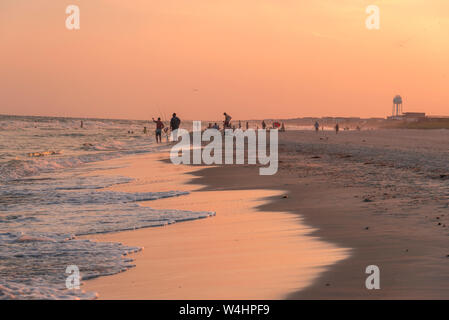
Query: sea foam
x,y
49,196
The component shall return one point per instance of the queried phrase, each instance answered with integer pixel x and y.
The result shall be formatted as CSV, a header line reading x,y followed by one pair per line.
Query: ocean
x,y
50,195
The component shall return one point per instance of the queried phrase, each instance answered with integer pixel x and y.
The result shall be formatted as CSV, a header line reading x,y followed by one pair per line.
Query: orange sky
x,y
252,58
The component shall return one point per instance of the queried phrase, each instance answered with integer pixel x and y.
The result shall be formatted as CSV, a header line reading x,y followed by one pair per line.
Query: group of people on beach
x,y
175,123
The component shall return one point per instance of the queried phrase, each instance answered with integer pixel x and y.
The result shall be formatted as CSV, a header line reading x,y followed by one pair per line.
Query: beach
x,y
233,150
338,204
241,253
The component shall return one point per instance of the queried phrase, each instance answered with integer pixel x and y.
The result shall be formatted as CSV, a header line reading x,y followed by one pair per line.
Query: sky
x,y
253,59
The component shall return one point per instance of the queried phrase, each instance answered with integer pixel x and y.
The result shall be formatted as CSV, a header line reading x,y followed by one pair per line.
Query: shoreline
x,y
336,196
234,255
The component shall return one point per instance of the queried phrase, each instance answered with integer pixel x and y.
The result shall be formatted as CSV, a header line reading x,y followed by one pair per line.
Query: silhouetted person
x,y
175,122
227,122
159,127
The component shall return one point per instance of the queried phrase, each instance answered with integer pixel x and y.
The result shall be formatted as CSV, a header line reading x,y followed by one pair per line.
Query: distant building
x,y
409,116
414,116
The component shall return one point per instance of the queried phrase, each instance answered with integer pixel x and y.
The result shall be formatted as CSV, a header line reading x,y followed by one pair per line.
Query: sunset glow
x,y
254,59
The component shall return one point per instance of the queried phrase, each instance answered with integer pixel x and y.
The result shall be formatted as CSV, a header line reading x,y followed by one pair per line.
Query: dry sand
x,y
373,198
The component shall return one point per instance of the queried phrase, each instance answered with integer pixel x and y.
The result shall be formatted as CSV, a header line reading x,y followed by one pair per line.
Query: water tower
x,y
397,106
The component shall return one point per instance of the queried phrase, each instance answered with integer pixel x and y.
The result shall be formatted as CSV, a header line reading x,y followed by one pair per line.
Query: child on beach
x,y
166,134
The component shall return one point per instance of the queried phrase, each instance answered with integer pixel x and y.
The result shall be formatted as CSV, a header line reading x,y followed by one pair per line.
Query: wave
x,y
34,265
41,218
47,201
18,168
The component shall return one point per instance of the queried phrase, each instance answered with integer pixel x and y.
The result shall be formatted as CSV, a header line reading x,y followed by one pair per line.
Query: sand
x,y
357,199
241,253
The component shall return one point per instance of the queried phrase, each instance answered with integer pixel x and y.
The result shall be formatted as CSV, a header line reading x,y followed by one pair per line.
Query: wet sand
x,y
241,253
371,197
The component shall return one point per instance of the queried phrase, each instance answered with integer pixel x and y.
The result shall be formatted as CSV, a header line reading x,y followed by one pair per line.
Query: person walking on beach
x,y
227,122
159,127
317,126
247,125
264,125
175,122
337,128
